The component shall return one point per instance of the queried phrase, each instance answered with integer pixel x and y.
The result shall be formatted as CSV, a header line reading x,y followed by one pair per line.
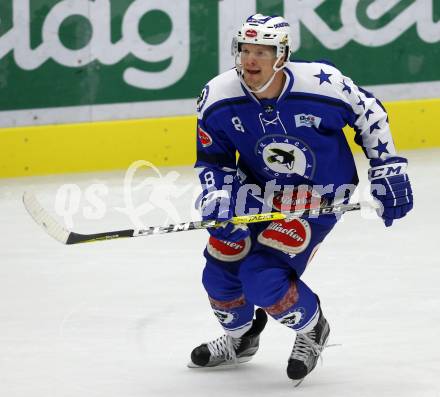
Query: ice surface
x,y
120,318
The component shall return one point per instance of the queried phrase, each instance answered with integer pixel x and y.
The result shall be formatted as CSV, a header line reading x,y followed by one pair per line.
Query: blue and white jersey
x,y
294,139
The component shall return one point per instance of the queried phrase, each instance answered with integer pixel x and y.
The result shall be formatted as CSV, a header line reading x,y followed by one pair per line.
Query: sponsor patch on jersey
x,y
201,100
293,318
228,251
307,120
291,236
204,138
283,156
300,198
251,33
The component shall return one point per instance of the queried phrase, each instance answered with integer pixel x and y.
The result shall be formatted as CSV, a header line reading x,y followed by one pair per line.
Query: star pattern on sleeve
x,y
381,147
346,87
323,77
374,126
368,113
361,103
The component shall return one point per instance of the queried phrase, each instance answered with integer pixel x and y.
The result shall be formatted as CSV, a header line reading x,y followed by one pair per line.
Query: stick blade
x,y
43,218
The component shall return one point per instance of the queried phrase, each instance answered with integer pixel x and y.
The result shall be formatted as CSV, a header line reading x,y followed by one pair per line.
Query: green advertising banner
x,y
376,42
64,53
59,54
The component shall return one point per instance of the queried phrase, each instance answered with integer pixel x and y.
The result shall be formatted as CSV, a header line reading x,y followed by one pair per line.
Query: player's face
x,y
257,61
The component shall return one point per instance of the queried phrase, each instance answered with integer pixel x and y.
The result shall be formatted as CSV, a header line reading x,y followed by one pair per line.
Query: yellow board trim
x,y
168,141
96,146
414,124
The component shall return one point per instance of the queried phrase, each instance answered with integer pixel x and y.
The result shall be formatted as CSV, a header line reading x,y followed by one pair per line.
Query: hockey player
x,y
285,120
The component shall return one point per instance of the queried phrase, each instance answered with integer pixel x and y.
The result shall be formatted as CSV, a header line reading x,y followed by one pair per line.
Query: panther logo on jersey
x,y
284,156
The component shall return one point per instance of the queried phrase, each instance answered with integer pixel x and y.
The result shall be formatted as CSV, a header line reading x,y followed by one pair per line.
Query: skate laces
x,y
224,347
304,344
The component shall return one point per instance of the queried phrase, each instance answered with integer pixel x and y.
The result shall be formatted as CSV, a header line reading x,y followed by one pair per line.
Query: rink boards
x,y
166,141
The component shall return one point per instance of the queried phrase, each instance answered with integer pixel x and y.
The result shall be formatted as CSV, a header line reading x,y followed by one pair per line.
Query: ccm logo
x,y
384,172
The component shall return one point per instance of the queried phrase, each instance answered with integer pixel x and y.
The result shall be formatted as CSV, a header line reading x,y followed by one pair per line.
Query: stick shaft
x,y
65,236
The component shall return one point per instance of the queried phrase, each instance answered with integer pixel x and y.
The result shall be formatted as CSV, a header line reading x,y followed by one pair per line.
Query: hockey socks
x,y
235,316
298,309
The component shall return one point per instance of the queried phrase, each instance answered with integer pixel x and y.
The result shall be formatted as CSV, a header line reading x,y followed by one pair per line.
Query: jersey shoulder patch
x,y
225,85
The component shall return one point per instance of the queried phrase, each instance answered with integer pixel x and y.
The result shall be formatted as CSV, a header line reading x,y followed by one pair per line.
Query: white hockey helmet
x,y
265,30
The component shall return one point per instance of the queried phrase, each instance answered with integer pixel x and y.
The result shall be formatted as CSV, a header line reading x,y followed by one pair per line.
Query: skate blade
x,y
296,383
224,364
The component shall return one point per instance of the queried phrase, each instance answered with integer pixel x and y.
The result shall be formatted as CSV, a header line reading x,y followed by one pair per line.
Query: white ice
x,y
120,318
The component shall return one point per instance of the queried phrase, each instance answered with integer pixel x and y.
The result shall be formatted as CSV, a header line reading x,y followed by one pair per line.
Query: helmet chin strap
x,y
266,85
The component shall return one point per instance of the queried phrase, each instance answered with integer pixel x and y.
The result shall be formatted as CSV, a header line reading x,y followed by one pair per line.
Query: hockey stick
x,y
65,236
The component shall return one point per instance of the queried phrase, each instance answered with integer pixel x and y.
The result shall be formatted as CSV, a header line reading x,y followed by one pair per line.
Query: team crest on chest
x,y
284,156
